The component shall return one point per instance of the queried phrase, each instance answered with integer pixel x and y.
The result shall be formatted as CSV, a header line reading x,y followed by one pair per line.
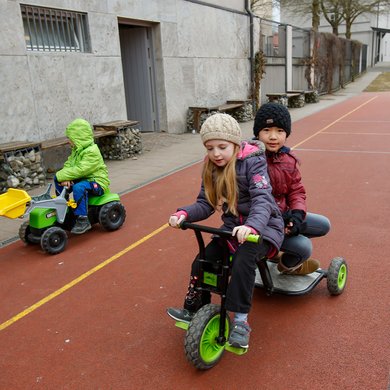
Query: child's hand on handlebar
x,y
66,184
242,232
176,219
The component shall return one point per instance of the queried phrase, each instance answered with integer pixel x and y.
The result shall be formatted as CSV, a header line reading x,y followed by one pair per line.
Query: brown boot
x,y
307,267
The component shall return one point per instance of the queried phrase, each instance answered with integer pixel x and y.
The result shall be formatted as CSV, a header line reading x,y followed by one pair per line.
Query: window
x,y
47,29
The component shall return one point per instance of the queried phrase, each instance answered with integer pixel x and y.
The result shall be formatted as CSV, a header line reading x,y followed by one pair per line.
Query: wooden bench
x,y
17,145
277,96
228,106
60,141
55,151
54,142
310,96
107,128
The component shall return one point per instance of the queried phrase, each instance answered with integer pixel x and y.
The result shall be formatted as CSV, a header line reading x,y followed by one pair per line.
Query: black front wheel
x,y
201,343
54,240
112,215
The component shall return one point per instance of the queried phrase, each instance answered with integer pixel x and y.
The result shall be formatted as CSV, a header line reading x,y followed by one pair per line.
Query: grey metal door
x,y
138,73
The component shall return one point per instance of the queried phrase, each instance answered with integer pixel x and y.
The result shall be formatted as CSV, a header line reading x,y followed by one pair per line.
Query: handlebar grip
x,y
255,238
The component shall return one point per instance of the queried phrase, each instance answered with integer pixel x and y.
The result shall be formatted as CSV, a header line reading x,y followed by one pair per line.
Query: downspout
x,y
251,50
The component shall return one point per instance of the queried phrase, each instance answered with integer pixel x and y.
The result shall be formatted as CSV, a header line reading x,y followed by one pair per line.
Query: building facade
x,y
112,60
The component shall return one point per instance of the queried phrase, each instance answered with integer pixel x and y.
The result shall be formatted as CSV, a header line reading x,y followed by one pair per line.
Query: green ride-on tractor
x,y
49,218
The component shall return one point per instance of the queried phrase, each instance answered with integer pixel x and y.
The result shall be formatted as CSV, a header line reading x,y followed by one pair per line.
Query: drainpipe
x,y
288,84
252,56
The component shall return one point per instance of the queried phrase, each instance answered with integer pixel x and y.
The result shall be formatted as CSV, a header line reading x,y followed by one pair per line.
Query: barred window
x,y
48,29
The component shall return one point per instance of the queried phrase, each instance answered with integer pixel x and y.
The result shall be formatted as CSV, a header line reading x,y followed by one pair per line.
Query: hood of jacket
x,y
80,133
250,148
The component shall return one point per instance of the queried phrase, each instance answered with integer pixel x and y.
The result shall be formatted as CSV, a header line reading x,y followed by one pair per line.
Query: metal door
x,y
138,74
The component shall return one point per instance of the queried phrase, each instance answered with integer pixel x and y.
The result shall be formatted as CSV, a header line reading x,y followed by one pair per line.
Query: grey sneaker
x,y
82,225
182,315
239,336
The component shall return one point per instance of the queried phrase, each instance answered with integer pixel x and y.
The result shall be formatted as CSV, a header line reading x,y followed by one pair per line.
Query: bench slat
x,y
227,107
15,145
278,95
55,142
114,125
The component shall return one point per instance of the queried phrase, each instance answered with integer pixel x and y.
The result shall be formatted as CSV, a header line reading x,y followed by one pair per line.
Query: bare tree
x,y
303,8
263,8
333,13
351,9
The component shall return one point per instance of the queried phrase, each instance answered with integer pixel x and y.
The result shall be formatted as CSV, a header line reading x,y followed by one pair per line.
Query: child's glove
x,y
293,220
176,219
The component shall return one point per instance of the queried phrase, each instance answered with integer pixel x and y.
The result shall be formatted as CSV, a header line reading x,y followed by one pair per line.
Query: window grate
x,y
48,29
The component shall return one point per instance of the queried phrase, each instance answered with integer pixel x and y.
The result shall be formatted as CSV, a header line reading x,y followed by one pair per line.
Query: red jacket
x,y
286,180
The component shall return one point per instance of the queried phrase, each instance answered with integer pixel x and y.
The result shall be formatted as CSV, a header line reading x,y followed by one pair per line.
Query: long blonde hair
x,y
220,184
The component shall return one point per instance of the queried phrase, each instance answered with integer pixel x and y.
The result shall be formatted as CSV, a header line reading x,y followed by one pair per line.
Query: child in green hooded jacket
x,y
83,173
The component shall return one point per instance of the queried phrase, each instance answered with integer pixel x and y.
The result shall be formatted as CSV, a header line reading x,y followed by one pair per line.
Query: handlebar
x,y
255,238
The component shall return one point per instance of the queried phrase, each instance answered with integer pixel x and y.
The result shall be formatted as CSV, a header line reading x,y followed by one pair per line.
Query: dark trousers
x,y
242,280
298,249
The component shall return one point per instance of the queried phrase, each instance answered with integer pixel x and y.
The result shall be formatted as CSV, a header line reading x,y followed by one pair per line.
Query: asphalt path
x,y
93,317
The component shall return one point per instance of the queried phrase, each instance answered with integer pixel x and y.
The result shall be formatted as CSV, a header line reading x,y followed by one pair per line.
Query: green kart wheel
x,y
201,346
337,276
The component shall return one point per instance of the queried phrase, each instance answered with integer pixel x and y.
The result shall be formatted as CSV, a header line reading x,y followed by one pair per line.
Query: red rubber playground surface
x,y
93,317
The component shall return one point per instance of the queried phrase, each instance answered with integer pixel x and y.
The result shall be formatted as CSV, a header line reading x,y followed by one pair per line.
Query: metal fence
x,y
337,62
334,62
273,43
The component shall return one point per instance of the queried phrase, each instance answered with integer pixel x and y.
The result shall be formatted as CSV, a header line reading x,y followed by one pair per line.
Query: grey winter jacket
x,y
256,205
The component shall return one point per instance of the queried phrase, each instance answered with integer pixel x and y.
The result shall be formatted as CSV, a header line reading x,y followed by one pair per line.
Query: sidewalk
x,y
166,153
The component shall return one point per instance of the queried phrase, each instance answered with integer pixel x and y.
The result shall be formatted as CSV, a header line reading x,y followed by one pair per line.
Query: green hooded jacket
x,y
85,161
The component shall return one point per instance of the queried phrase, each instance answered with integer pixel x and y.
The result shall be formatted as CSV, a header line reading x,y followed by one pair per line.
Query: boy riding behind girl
x,y
272,126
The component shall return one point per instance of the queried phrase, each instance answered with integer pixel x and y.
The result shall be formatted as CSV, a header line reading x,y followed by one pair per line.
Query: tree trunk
x,y
348,25
315,21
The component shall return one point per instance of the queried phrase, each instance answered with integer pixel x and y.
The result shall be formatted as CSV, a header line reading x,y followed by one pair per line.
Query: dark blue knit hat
x,y
272,115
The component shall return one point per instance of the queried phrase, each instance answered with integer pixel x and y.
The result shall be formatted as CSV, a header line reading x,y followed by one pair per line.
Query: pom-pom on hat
x,y
272,115
221,126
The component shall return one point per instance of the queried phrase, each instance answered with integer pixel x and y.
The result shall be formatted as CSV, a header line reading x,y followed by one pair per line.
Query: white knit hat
x,y
221,126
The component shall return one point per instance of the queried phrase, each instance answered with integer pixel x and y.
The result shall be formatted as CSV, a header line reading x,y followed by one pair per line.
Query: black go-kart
x,y
207,333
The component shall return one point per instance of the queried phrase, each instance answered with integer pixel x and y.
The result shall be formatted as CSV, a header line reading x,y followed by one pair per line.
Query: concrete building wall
x,y
384,22
200,53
